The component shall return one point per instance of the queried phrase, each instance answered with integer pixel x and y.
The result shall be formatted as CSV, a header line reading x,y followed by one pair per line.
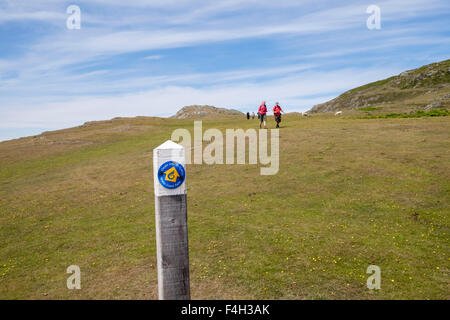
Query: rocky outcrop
x,y
196,111
426,82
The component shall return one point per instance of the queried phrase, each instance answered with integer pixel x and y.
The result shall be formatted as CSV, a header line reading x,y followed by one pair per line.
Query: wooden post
x,y
171,221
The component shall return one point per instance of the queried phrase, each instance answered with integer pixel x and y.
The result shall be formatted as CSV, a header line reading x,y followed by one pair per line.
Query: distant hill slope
x,y
196,111
423,88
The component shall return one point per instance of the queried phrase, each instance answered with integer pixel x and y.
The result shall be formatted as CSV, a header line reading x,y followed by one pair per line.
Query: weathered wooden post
x,y
171,221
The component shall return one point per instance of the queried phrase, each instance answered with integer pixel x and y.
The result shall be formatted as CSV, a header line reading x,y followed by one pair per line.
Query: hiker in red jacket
x,y
277,113
262,114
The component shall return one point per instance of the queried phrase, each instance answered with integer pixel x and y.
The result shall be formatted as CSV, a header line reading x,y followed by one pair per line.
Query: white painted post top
x,y
169,144
168,151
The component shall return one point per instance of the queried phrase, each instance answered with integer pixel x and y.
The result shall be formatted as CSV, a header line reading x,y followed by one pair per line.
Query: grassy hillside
x,y
424,88
349,193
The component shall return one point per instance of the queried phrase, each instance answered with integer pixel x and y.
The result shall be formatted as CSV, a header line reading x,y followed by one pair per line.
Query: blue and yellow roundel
x,y
171,175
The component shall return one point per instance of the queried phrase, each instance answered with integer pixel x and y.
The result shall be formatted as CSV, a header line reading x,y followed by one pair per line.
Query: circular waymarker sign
x,y
171,175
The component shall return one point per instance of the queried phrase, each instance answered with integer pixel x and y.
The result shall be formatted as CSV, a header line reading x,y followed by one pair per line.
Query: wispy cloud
x,y
37,15
152,58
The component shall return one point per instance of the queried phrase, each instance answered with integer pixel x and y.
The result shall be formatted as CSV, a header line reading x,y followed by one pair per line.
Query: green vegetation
x,y
368,109
371,85
416,114
349,193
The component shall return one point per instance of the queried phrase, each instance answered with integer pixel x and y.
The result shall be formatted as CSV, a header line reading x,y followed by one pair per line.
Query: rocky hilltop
x,y
196,111
423,88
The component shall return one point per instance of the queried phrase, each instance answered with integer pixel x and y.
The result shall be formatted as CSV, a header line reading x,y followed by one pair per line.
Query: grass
x,y
368,109
416,114
349,193
371,85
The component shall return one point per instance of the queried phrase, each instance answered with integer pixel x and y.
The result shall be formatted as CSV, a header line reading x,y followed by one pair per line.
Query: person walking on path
x,y
277,113
253,115
262,112
248,115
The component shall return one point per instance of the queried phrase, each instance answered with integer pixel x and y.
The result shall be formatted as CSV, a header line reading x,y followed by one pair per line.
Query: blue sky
x,y
153,57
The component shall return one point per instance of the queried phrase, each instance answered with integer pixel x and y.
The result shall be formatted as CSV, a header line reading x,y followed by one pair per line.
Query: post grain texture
x,y
171,228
